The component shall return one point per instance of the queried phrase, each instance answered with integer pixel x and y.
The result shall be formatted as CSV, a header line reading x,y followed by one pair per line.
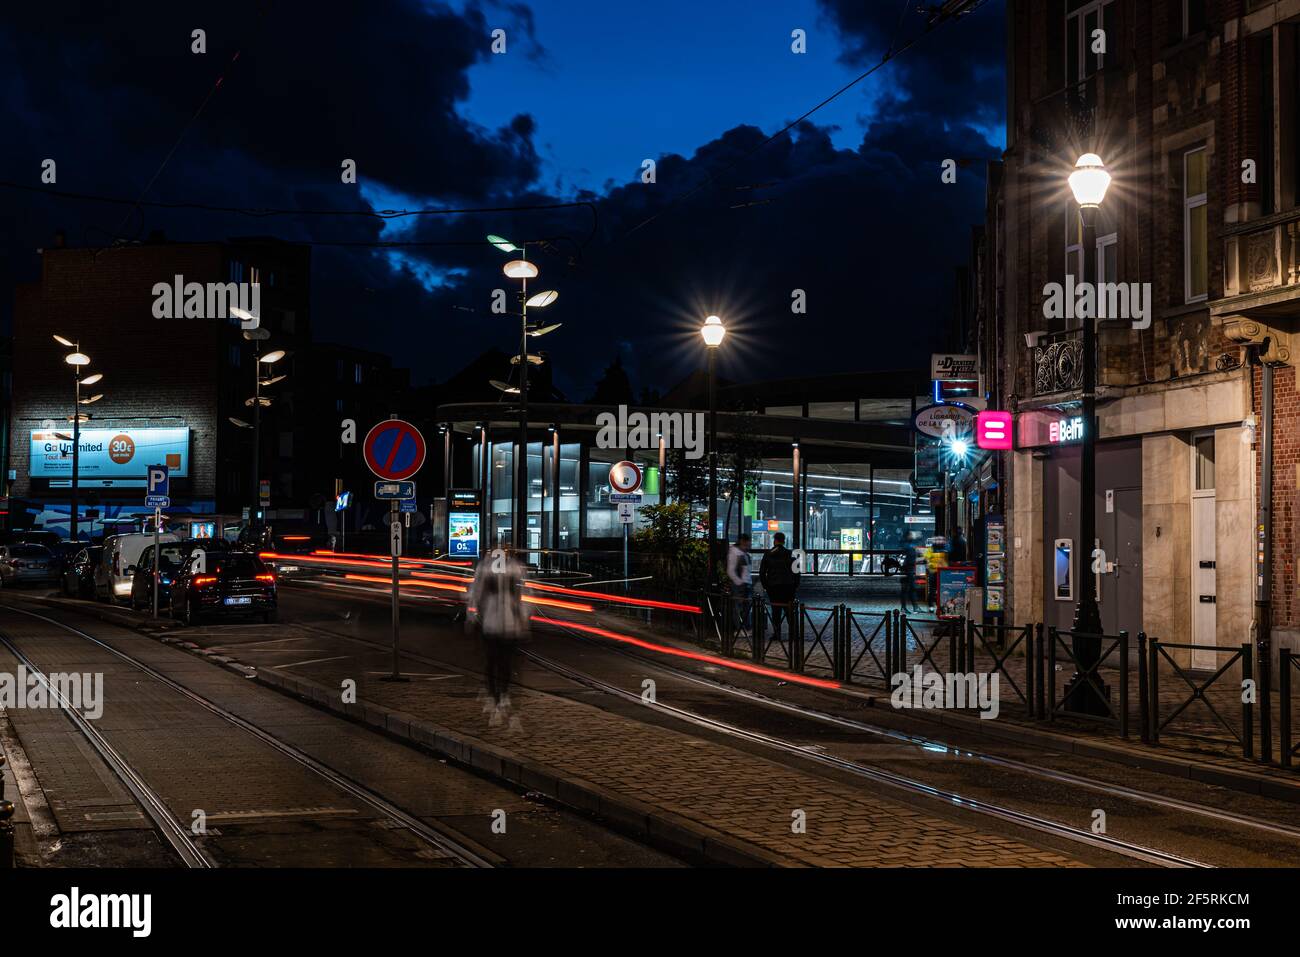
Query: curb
x,y
666,829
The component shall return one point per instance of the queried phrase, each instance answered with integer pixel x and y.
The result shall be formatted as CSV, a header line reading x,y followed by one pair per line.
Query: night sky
x,y
849,205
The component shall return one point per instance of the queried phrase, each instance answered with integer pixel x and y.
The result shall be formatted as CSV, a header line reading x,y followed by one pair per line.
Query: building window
x,y
1193,17
1108,258
234,356
1203,450
1195,226
357,373
1083,18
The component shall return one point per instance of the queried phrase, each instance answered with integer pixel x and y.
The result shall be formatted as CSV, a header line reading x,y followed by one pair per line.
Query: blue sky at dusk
x,y
847,202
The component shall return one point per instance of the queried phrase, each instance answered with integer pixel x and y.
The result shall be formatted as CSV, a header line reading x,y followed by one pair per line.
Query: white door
x,y
1203,573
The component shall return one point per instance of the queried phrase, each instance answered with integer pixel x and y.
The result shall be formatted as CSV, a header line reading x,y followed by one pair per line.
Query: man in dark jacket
x,y
780,580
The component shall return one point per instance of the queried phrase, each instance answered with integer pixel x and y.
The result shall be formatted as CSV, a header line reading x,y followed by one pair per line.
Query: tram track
x,y
169,827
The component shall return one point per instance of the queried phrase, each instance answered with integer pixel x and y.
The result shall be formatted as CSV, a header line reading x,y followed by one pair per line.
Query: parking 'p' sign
x,y
394,450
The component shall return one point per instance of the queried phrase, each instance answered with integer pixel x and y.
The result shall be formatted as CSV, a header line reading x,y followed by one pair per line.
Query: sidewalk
x,y
1195,745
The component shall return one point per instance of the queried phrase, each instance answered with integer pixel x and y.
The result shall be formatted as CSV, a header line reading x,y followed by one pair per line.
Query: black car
x,y
79,573
223,583
174,556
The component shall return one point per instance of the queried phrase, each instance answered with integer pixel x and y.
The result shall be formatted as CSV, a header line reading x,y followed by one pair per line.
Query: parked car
x,y
24,564
173,556
36,536
116,569
223,584
79,574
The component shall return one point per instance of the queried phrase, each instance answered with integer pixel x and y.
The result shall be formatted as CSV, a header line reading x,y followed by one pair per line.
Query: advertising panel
x,y
464,517
110,453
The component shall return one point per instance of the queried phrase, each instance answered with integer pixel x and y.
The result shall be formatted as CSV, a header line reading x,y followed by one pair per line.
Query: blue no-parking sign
x,y
394,450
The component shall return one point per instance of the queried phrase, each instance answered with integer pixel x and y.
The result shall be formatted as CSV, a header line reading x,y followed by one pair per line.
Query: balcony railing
x,y
1058,363
1262,255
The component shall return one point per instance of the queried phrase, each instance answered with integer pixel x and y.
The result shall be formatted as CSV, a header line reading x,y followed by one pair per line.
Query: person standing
x,y
958,550
780,580
496,615
741,578
909,575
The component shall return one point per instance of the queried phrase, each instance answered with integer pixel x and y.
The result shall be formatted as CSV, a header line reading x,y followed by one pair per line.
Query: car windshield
x,y
30,551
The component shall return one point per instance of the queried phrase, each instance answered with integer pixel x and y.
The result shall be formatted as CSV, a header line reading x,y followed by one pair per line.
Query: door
x,y
1204,596
1121,587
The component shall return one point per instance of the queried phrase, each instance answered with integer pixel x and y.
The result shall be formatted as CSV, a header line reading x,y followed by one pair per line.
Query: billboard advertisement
x,y
109,453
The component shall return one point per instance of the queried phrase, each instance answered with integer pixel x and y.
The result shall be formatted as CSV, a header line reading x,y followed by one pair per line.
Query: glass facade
x,y
849,507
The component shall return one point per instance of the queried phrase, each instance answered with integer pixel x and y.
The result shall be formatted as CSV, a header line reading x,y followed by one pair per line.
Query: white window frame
x,y
1085,42
1190,203
1103,242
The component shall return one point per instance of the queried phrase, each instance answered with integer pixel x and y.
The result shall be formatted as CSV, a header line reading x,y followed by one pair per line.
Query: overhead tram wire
x,y
889,55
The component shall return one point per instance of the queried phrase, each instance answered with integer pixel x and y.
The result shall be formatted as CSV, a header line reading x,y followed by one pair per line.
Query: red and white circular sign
x,y
624,477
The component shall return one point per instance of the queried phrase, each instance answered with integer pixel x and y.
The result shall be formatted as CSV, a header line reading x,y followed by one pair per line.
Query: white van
x,y
116,568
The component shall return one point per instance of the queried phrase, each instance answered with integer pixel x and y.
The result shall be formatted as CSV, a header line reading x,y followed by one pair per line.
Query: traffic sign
x,y
621,498
626,513
394,490
395,538
394,450
264,492
406,505
159,487
624,477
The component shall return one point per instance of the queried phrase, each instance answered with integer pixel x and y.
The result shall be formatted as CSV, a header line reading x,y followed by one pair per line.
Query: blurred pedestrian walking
x,y
496,615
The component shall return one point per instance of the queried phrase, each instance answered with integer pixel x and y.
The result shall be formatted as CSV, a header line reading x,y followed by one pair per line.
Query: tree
x,y
679,558
614,387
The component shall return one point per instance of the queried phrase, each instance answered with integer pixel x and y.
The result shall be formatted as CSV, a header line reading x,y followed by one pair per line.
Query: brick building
x,y
171,385
1194,105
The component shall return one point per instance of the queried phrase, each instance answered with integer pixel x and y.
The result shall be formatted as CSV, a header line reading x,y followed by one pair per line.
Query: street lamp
x,y
1085,694
713,332
257,336
522,270
78,360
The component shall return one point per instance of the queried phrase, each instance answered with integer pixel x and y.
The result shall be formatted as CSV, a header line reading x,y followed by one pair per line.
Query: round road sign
x,y
394,450
624,477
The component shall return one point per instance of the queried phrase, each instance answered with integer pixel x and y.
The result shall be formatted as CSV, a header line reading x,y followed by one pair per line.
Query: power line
x,y
890,54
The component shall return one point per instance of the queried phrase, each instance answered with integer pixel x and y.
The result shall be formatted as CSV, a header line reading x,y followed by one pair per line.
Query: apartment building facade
x,y
1194,107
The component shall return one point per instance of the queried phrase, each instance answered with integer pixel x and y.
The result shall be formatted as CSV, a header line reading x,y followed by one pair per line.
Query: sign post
x,y
158,495
625,484
394,450
395,543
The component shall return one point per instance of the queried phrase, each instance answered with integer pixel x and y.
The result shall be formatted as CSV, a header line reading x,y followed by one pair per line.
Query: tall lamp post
x,y
78,360
1089,183
523,270
713,331
257,336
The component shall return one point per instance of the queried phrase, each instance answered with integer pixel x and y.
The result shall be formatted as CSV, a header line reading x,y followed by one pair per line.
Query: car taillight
x,y
202,580
268,577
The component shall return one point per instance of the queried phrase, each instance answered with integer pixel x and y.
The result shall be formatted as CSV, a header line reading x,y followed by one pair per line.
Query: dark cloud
x,y
870,235
953,78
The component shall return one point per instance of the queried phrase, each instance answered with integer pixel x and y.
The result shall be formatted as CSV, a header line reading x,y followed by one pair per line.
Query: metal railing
x,y
1073,703
1001,649
1244,655
1286,661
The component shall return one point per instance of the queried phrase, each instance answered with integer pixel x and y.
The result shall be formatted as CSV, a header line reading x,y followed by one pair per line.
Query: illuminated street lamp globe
x,y
713,331
1089,181
77,359
520,269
